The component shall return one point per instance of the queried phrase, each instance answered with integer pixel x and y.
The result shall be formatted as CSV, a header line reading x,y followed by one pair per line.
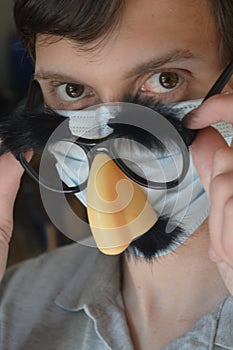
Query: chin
x,y
156,242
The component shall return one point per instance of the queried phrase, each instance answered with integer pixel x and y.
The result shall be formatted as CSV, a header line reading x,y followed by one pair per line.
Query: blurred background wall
x,y
6,30
15,65
33,232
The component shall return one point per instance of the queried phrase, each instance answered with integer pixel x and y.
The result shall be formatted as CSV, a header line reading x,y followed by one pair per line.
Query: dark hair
x,y
81,20
85,21
223,14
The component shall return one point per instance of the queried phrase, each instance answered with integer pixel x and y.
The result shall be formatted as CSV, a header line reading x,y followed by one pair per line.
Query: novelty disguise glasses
x,y
141,141
147,145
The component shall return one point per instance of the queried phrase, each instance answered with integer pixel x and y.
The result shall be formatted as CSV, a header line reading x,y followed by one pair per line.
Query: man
x,y
81,298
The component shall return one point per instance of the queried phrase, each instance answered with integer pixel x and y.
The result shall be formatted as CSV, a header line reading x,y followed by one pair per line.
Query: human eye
x,y
73,92
166,85
68,96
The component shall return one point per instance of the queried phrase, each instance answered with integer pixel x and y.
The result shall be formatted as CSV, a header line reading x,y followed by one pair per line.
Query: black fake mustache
x,y
155,240
23,130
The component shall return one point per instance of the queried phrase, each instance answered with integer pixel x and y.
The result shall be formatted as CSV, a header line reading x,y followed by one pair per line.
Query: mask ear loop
x,y
221,81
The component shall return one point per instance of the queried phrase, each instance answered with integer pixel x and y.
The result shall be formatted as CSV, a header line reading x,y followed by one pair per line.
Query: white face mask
x,y
186,205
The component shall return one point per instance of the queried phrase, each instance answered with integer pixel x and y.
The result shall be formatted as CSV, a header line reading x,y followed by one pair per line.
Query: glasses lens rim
x,y
41,181
35,95
157,185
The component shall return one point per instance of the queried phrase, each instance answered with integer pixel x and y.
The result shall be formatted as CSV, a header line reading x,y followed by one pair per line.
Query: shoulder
x,y
57,266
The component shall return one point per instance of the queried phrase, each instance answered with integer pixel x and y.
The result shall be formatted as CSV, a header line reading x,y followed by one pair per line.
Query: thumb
x,y
10,175
203,149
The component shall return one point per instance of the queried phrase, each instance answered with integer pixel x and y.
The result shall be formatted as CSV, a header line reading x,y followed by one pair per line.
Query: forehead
x,y
147,27
165,19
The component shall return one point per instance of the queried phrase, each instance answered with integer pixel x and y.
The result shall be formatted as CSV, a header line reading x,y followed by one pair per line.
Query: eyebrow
x,y
177,55
50,75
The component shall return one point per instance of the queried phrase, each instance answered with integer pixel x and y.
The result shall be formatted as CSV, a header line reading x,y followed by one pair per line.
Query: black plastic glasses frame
x,y
91,147
106,145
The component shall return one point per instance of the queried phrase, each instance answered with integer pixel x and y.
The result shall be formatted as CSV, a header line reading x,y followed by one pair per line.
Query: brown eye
x,y
74,93
169,80
162,83
74,90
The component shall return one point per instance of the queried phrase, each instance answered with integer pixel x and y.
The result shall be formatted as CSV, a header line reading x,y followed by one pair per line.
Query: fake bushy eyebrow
x,y
22,130
167,111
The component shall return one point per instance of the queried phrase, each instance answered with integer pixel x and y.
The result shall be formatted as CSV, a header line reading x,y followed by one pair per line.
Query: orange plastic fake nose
x,y
117,208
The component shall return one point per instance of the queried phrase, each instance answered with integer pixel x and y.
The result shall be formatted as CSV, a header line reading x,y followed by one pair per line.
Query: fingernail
x,y
189,120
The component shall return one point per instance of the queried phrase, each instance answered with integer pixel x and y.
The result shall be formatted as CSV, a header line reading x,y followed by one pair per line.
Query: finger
x,y
203,149
10,175
227,233
216,108
220,226
221,192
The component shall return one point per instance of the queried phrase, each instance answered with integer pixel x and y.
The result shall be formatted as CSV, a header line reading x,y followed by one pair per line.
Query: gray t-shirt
x,y
71,299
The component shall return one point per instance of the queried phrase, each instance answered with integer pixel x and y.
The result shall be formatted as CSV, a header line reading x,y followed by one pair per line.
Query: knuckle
x,y
221,154
212,103
218,183
222,184
229,208
5,231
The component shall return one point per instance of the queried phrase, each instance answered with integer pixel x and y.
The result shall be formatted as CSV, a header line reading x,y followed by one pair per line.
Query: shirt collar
x,y
96,288
214,329
224,334
96,279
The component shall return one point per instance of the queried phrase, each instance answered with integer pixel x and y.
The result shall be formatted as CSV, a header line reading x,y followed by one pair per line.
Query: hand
x,y
213,159
10,175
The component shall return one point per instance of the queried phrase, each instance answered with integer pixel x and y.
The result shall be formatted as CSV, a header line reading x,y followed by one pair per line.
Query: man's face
x,y
165,49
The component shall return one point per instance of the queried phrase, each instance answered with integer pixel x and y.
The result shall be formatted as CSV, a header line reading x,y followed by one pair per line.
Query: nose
x,y
115,93
110,86
118,210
